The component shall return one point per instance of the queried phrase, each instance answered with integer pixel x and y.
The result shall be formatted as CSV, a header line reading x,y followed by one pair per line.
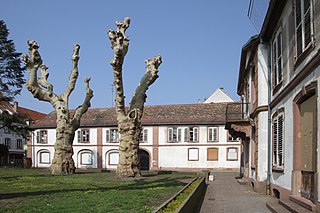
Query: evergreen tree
x,y
11,69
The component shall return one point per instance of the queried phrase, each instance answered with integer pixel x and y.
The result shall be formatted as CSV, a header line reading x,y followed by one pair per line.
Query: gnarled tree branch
x,y
33,62
43,79
119,44
74,72
84,107
151,74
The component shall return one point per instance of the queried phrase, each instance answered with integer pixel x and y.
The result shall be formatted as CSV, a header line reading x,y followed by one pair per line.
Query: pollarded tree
x,y
67,122
129,121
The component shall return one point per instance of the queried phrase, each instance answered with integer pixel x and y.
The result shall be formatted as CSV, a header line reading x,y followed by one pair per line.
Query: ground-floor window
x,y
212,154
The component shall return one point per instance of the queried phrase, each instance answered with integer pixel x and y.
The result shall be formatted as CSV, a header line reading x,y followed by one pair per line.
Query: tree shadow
x,y
137,184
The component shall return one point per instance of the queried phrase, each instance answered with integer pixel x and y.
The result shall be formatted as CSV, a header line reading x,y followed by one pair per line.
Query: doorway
x,y
144,159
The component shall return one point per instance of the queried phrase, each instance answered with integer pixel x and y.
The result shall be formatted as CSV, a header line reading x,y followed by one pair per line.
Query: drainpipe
x,y
269,121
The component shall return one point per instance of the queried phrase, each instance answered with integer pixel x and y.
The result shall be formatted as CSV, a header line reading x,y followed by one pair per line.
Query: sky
x,y
200,43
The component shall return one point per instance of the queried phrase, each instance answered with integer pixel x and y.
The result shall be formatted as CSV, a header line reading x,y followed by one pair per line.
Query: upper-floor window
x,y
174,134
191,134
278,139
303,16
84,136
112,135
42,136
144,136
6,130
7,142
277,73
19,144
213,134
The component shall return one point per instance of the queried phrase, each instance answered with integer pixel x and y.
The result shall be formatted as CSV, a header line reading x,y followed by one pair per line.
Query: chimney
x,y
15,106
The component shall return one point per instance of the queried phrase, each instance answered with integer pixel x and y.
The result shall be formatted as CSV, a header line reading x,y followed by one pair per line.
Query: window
x,y
193,154
114,158
191,134
232,154
174,134
19,144
303,16
6,130
144,136
7,142
277,59
86,158
42,136
278,139
83,136
213,134
212,154
44,156
112,135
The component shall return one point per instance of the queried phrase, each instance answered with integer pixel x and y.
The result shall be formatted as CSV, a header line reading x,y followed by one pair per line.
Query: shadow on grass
x,y
137,184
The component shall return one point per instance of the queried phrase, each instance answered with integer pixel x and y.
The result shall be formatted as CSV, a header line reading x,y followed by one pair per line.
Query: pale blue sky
x,y
200,42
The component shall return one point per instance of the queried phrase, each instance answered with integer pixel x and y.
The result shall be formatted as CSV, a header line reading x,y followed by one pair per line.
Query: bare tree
x,y
67,122
129,120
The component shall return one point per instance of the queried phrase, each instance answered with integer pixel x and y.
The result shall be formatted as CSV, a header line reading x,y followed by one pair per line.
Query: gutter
x,y
269,121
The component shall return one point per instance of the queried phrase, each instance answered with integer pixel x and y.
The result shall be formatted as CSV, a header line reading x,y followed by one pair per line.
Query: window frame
x,y
83,138
213,128
302,24
213,159
7,142
109,135
237,153
144,135
41,157
19,144
42,136
190,158
277,59
174,134
191,134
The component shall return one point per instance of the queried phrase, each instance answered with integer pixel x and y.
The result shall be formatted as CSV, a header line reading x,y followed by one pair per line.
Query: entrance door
x,y
144,160
308,130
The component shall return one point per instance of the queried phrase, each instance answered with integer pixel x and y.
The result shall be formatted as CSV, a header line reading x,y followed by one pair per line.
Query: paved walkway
x,y
226,195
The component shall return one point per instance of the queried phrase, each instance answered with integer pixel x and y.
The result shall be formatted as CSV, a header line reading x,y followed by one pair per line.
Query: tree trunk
x,y
62,162
130,130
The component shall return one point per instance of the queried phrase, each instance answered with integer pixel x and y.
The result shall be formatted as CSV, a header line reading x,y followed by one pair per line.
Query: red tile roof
x,y
211,113
29,114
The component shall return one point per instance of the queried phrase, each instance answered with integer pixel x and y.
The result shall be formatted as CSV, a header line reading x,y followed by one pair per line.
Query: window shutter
x,y
280,139
275,141
145,135
170,131
179,135
195,134
210,134
274,65
186,134
108,135
38,137
279,57
298,27
307,22
215,134
79,136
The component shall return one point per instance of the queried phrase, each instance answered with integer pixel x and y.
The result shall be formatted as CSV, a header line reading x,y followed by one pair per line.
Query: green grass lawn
x,y
34,190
